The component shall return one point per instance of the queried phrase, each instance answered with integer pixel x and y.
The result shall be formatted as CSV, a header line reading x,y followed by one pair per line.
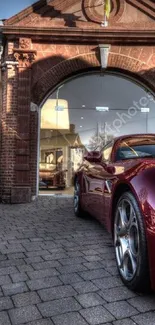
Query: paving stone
x,y
145,319
33,259
41,322
84,287
75,254
96,315
57,293
13,288
19,277
94,274
43,273
13,262
43,283
121,309
21,241
37,253
4,279
45,265
72,318
4,319
116,294
107,263
32,247
54,238
108,282
93,265
113,270
13,249
57,250
90,300
90,252
25,268
3,257
8,270
124,321
93,258
25,299
109,256
70,278
54,256
5,303
16,256
72,261
71,268
75,248
143,303
59,306
36,239
24,315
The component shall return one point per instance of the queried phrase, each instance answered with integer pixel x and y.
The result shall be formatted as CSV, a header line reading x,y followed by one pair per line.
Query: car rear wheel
x,y
77,200
130,244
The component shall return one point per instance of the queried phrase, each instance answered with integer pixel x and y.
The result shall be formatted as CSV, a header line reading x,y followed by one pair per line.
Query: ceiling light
x,y
83,105
80,126
145,109
82,117
102,109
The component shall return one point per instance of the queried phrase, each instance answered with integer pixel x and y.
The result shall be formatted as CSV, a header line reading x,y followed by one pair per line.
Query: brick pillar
x,y
21,191
8,124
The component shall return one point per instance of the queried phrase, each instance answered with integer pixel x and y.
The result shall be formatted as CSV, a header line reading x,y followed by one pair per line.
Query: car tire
x,y
77,200
130,244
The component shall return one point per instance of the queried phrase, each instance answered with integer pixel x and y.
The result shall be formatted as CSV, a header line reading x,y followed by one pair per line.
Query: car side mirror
x,y
93,156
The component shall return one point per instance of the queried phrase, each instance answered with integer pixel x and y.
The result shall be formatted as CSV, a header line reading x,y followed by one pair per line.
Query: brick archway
x,y
128,65
140,69
44,45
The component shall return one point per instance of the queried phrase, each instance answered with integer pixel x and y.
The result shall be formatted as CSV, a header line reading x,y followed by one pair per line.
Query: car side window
x,y
106,153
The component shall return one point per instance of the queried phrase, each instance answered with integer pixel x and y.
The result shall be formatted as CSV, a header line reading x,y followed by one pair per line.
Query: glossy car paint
x,y
100,188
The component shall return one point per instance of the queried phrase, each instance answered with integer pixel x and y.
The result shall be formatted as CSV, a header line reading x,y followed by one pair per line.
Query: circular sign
x,y
94,10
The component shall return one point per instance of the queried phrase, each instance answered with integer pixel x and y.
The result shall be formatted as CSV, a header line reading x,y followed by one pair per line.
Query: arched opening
x,y
83,114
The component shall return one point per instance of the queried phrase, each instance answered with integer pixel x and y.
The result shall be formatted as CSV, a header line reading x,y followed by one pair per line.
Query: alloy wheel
x,y
126,239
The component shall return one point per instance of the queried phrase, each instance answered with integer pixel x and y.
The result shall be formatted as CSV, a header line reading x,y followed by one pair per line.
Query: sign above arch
x,y
95,10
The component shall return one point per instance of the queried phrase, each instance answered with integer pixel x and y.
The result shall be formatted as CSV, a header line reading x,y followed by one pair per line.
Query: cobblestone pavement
x,y
57,269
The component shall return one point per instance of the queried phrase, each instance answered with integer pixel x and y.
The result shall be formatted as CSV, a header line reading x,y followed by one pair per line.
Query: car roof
x,y
139,135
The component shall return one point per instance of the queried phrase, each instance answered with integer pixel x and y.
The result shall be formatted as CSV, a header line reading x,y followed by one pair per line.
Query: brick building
x,y
46,44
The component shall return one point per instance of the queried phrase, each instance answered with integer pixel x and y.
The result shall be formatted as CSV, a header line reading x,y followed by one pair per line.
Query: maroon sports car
x,y
117,186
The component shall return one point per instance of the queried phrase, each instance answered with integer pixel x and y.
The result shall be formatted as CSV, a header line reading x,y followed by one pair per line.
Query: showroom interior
x,y
83,114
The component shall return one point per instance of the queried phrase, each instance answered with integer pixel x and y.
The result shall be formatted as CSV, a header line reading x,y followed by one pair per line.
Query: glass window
x,y
106,154
136,148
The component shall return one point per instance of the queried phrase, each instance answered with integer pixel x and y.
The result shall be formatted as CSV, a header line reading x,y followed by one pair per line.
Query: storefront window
x,y
74,121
